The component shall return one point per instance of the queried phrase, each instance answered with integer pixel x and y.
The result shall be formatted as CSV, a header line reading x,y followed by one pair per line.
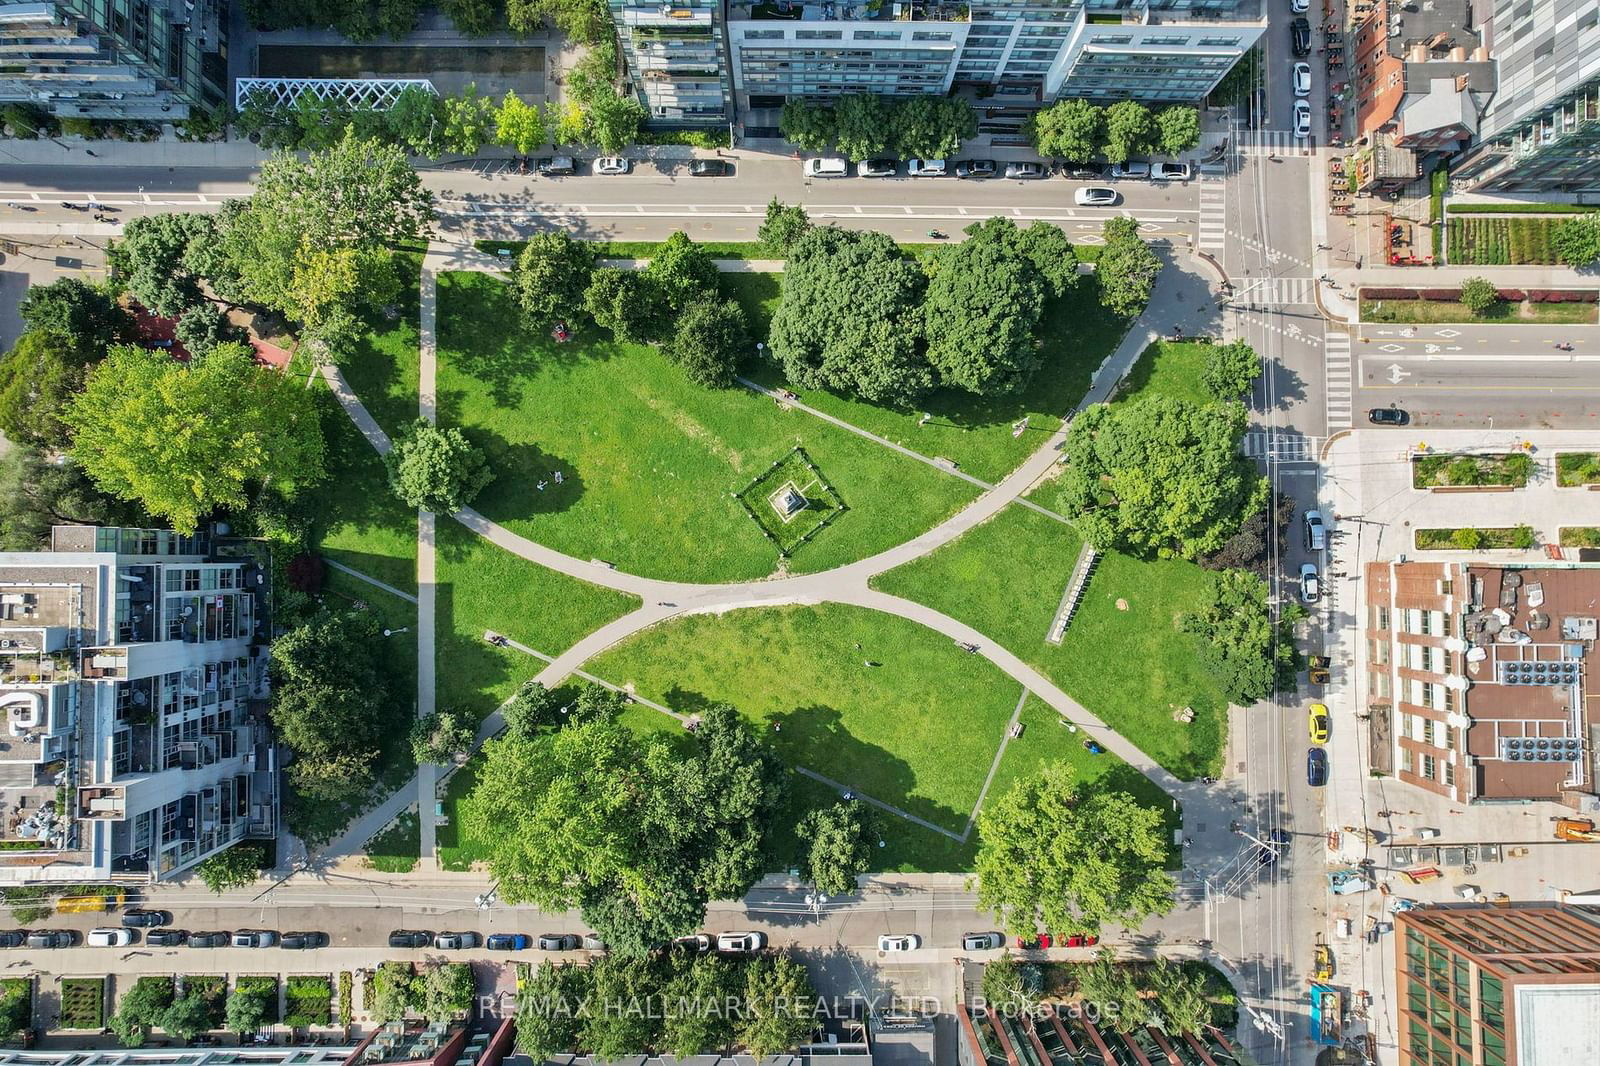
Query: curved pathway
x,y
847,584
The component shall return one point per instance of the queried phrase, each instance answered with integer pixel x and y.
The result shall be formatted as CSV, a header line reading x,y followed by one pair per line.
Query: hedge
x,y
1520,209
308,1000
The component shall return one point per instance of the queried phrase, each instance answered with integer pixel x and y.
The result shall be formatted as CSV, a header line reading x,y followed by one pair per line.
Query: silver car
x,y
981,941
612,164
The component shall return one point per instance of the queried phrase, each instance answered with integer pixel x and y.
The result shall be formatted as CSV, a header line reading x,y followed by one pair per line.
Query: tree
x,y
708,341
850,317
414,120
1069,129
152,258
473,18
1052,256
613,120
785,224
838,846
519,125
39,378
1053,854
86,313
625,302
396,991
618,1024
931,127
531,710
187,439
567,122
1478,295
1127,268
331,700
447,991
552,277
467,119
248,1009
441,737
358,193
16,1003
141,1009
1576,241
1011,987
861,125
982,305
187,1018
549,1005
779,1006
1230,370
809,127
1160,476
435,469
582,21
682,272
202,328
1249,655
36,494
236,867
1181,1002
1111,988
689,1028
1177,129
1130,131
327,280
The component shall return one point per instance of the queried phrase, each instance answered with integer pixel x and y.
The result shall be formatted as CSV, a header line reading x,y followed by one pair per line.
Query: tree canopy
x,y
36,493
1230,370
39,377
356,193
932,127
627,303
1130,130
236,867
185,439
785,224
1056,856
1177,129
553,276
1159,476
1127,268
682,272
1070,129
86,313
809,127
709,340
154,257
861,126
519,125
1249,655
435,469
837,846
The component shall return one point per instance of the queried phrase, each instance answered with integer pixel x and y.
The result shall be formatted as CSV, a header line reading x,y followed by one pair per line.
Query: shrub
x,y
1522,537
1443,295
1388,294
1478,295
1467,538
1511,295
308,999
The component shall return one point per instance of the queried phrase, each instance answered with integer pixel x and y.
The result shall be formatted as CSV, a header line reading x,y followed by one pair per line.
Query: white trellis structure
x,y
377,94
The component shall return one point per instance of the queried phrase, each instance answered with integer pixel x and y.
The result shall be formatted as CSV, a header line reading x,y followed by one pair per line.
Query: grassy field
x,y
398,847
1129,666
758,294
918,730
1169,368
976,431
1443,311
482,586
384,370
650,461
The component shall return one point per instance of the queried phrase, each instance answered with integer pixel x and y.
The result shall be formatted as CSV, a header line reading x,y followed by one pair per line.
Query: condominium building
x,y
1477,679
133,678
1541,133
676,59
1513,984
114,59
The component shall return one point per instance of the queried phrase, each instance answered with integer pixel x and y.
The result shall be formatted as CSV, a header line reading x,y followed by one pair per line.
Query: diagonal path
x,y
848,584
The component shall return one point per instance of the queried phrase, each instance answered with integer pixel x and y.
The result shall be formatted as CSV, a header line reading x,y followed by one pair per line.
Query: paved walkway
x,y
427,560
369,579
848,584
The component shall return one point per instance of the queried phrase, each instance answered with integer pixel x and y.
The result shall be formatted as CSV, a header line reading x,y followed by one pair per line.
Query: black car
x,y
1269,853
1388,416
1300,37
303,941
975,168
558,166
1083,171
710,168
207,940
139,919
165,938
1316,767
410,938
13,938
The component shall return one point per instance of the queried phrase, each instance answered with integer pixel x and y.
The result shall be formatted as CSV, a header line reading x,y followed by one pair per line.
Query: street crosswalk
x,y
1340,389
1275,291
1275,142
1213,231
1280,446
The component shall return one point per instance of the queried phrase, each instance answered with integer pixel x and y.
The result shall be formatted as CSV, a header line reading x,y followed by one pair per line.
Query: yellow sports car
x,y
1317,724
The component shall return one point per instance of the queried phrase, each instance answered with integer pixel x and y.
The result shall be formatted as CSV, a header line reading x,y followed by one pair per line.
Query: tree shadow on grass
x,y
520,468
472,672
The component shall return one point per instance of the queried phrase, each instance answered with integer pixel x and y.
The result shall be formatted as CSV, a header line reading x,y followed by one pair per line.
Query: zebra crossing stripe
x,y
1339,385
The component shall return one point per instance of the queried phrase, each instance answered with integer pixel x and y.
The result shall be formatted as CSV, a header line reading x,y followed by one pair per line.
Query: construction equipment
x,y
1576,829
1319,672
1322,964
1326,1015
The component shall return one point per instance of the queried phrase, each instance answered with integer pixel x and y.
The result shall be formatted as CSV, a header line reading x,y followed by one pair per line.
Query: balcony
x,y
667,16
831,11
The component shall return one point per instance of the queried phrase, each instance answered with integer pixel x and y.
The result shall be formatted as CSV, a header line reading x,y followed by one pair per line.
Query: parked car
x,y
1319,671
710,168
1302,79
1272,849
1299,6
907,942
612,164
1133,168
1316,767
1035,943
1026,171
1096,196
594,943
975,168
827,167
741,941
13,938
207,940
1317,723
410,938
1300,37
556,166
50,938
507,942
1388,416
558,942
141,919
1302,118
926,168
1083,171
1310,583
1170,172
303,941
109,937
165,938
254,938
877,168
695,943
982,941
1316,532
455,941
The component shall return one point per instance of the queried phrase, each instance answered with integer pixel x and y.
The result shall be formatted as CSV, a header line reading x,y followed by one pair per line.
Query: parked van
x,y
827,168
1316,532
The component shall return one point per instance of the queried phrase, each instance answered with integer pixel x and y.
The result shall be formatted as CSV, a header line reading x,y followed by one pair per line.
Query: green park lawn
x,y
1132,668
1169,368
651,461
398,846
482,586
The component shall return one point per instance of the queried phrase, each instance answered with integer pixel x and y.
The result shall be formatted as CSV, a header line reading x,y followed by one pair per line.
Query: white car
x,y
908,942
108,938
876,168
612,164
827,167
741,941
1133,168
1302,79
1095,196
1310,583
926,168
1302,119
